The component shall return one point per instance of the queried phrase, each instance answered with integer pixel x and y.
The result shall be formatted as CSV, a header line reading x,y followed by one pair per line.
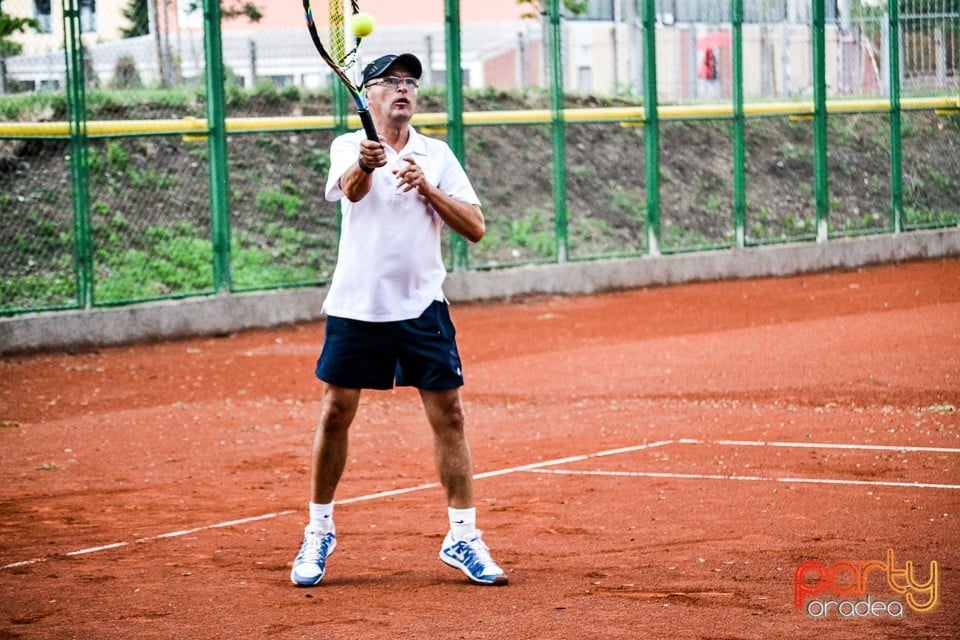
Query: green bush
x,y
287,201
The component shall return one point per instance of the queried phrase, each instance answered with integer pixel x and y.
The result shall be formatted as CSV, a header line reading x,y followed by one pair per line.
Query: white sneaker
x,y
311,563
472,557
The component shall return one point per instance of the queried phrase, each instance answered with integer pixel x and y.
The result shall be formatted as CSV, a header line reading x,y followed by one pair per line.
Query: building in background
x,y
499,47
601,50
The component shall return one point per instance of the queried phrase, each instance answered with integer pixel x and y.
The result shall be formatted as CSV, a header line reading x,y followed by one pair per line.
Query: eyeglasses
x,y
394,82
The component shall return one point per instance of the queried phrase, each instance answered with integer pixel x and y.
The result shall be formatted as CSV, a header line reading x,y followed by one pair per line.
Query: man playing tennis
x,y
387,318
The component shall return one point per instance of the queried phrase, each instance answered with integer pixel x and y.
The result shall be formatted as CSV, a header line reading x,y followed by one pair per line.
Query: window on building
x,y
754,11
88,16
41,10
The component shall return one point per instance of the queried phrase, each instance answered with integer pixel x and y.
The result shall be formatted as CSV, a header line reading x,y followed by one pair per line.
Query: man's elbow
x,y
476,232
355,193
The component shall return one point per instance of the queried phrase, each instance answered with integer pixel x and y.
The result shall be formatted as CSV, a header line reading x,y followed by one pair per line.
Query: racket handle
x,y
367,120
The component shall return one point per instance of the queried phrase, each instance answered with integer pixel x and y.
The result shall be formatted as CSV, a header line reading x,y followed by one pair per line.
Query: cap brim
x,y
379,67
410,62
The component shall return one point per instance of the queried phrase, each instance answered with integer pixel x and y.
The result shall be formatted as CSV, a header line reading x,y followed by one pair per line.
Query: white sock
x,y
321,517
463,522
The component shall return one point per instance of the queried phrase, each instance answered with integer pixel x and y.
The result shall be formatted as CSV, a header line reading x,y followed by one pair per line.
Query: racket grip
x,y
367,120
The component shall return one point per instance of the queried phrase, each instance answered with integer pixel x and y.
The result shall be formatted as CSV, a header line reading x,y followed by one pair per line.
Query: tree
x,y
538,8
138,16
233,9
237,8
10,25
152,17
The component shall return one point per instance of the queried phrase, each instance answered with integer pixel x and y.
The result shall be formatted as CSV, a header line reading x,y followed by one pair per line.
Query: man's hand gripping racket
x,y
338,58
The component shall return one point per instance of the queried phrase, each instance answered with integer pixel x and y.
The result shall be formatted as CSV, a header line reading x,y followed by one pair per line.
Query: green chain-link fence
x,y
637,128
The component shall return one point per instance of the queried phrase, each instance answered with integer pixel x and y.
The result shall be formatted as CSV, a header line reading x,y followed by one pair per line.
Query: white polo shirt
x,y
389,263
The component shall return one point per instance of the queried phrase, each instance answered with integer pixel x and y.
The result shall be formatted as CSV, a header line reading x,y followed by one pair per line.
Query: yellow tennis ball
x,y
362,24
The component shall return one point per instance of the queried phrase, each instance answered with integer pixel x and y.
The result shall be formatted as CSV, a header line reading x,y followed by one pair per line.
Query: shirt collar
x,y
415,143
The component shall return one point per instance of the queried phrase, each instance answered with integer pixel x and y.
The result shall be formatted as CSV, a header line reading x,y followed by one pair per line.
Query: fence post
x,y
217,147
896,180
338,104
454,94
820,122
558,130
739,153
651,128
79,166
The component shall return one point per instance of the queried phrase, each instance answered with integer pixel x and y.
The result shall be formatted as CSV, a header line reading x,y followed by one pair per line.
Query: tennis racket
x,y
339,58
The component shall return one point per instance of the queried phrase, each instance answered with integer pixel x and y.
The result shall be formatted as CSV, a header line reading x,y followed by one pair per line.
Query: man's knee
x,y
337,409
451,413
453,420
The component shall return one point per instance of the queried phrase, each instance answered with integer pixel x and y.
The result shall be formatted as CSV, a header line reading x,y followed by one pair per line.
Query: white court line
x,y
81,552
762,443
218,525
371,496
540,467
704,476
553,463
172,534
819,445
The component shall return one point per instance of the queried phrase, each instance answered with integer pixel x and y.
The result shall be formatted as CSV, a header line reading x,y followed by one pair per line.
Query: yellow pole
x,y
197,127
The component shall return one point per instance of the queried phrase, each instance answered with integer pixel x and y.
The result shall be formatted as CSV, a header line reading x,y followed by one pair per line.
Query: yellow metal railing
x,y
197,127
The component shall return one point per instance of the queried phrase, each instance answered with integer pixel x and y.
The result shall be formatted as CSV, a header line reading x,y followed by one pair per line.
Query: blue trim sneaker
x,y
473,558
311,563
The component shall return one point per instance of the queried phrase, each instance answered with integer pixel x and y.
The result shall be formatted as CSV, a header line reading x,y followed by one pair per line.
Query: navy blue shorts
x,y
419,353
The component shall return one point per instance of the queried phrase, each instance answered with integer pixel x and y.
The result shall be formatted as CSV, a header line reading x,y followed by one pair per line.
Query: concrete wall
x,y
227,313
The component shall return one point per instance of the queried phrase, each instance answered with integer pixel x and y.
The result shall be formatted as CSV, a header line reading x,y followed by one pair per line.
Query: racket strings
x,y
348,59
338,48
332,46
343,58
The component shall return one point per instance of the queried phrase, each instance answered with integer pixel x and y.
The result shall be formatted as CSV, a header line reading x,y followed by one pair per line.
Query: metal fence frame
x,y
217,127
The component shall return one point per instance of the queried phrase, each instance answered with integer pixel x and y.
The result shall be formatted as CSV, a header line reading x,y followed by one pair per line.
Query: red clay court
x,y
655,463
